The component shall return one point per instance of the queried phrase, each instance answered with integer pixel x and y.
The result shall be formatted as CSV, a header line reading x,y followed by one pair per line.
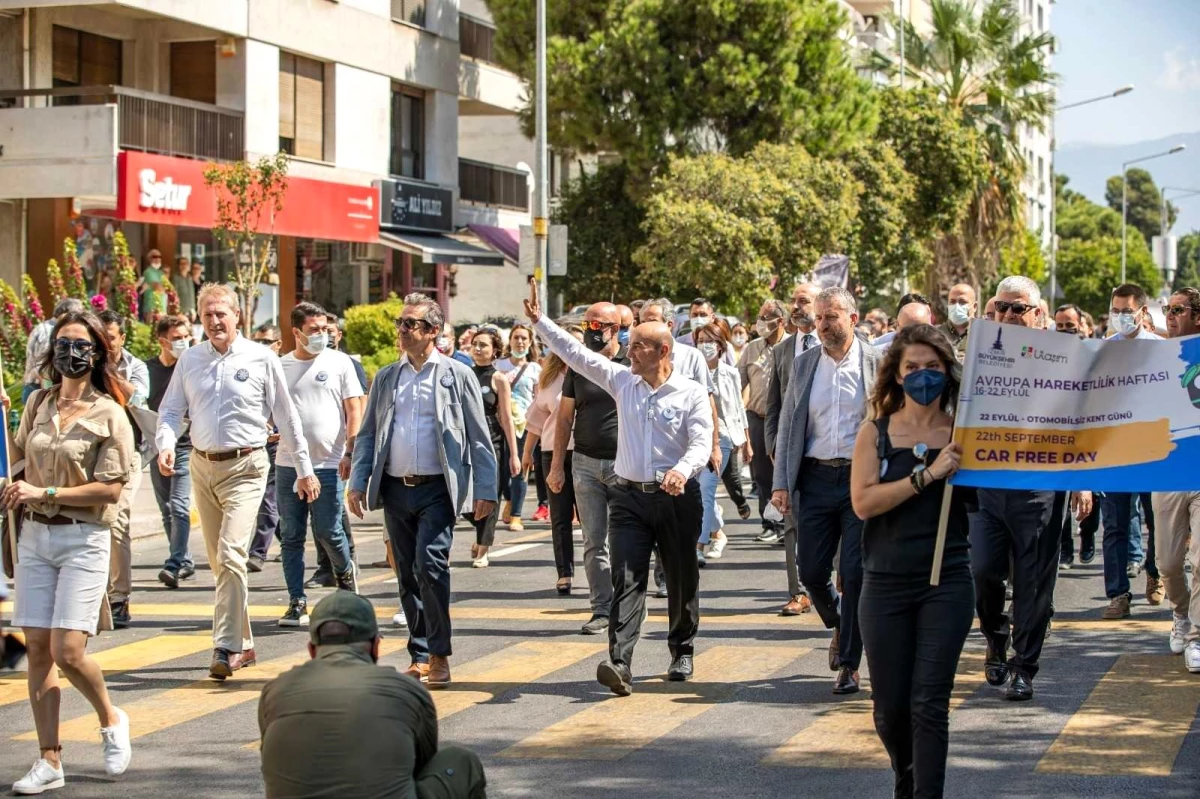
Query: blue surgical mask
x,y
924,386
623,337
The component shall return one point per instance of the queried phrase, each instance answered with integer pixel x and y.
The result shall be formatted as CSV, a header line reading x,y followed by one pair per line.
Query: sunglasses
x,y
1179,310
594,325
1019,308
921,452
266,342
77,346
409,324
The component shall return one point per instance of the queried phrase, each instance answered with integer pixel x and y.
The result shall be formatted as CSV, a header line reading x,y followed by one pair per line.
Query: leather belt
x,y
414,480
645,488
832,463
49,520
228,455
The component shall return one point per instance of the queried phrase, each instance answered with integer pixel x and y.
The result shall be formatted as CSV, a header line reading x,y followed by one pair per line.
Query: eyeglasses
x,y
408,324
594,325
769,318
1019,308
1068,329
78,346
266,342
1179,310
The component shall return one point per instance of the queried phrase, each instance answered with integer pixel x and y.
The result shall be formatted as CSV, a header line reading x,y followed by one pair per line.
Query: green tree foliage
x,y
1023,256
372,328
1188,261
651,79
1144,202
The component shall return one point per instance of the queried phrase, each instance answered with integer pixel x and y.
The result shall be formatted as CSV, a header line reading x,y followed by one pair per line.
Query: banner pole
x,y
10,516
939,547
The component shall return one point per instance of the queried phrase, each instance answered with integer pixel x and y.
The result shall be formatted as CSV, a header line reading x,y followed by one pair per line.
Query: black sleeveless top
x,y
490,403
901,541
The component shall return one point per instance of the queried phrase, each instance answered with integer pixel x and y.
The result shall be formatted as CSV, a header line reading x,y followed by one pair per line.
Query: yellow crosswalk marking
x,y
1132,724
843,736
127,657
195,700
615,727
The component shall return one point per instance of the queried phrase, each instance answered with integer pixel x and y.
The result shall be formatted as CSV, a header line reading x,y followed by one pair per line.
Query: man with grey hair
x,y
755,369
39,344
1023,526
825,403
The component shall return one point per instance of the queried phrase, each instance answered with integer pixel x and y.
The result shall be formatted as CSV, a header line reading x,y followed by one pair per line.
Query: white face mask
x,y
959,314
520,353
1125,323
764,328
739,341
316,343
708,349
700,321
443,345
178,348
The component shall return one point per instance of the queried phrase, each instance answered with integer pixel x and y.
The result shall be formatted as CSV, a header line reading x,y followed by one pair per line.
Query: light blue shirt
x,y
414,446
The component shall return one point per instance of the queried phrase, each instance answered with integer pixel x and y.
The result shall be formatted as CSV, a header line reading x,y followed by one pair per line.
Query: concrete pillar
x,y
441,140
261,81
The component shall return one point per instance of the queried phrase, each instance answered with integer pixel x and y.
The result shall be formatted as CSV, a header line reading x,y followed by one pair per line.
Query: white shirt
x,y
1143,335
662,429
731,413
523,391
837,406
883,342
319,387
690,362
230,399
414,447
805,342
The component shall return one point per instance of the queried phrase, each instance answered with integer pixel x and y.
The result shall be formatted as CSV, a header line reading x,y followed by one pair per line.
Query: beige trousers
x,y
1176,520
120,565
228,494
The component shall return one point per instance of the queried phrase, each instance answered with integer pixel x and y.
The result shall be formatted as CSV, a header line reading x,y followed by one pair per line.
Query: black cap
x,y
352,610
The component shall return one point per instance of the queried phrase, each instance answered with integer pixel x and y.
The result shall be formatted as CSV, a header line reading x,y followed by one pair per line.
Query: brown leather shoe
x,y
1154,590
243,659
418,671
439,672
800,603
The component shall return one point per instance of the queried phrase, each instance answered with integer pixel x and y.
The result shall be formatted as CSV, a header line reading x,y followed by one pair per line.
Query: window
x,y
475,39
409,11
194,71
408,132
1041,19
84,59
301,106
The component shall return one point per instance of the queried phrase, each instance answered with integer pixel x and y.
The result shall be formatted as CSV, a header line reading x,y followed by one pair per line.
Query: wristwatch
x,y
51,492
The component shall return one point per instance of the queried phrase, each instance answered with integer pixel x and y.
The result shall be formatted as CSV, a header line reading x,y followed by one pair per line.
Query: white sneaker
x,y
717,547
700,560
41,778
1133,569
117,749
399,620
1180,627
480,562
1191,657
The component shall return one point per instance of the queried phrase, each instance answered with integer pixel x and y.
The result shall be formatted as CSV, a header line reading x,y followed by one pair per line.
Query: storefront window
x,y
337,275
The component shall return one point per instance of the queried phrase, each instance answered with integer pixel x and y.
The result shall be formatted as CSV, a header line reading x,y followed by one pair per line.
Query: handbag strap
x,y
520,373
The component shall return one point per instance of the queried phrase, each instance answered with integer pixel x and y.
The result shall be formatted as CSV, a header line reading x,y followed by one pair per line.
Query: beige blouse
x,y
95,447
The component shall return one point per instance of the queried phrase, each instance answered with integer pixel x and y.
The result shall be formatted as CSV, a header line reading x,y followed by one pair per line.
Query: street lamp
x,y
1163,223
1178,148
1109,96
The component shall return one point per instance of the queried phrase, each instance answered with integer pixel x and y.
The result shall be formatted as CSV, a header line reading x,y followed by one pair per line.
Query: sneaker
x,y
1154,590
321,579
296,615
700,559
515,525
115,742
660,591
254,564
1065,562
1133,569
1191,657
744,512
11,653
1118,608
120,615
349,580
1180,627
186,571
399,620
717,547
169,578
41,778
595,625
542,514
1087,554
480,562
768,536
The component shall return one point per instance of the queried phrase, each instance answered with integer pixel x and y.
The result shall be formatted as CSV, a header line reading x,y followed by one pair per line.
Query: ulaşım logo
x,y
1042,355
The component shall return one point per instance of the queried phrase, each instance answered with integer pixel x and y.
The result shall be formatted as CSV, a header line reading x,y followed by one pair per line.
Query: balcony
x,y
153,123
493,186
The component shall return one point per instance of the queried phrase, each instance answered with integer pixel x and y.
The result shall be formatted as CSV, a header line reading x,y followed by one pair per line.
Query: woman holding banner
x,y
77,446
913,632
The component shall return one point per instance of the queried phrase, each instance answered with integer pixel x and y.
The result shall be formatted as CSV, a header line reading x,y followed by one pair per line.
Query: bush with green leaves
x,y
372,328
141,342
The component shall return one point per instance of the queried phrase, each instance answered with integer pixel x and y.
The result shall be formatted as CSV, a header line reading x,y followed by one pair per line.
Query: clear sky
x,y
1105,44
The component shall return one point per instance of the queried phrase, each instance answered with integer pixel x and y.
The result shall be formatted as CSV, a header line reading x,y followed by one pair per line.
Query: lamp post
x,y
1164,224
1178,148
1109,96
541,224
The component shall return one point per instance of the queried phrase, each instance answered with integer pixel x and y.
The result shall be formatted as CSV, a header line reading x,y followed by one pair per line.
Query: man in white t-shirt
x,y
325,390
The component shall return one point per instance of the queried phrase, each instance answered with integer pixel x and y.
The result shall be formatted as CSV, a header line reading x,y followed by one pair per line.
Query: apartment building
x,y
109,112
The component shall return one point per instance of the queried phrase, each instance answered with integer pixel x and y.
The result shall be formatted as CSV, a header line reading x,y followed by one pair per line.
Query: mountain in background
x,y
1089,166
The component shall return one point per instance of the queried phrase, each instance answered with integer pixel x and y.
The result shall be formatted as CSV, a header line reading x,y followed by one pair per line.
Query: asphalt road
x,y
1114,715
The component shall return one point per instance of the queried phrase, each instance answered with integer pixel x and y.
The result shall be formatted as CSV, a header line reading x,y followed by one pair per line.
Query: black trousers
x,y
638,522
541,468
731,476
762,471
266,526
562,512
829,522
1016,524
914,634
1087,531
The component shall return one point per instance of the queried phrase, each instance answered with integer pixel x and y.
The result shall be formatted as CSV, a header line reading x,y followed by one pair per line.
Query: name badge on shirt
x,y
485,389
242,375
447,380
668,413
322,377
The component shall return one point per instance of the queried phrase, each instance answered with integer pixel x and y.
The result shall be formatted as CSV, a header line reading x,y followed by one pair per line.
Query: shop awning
x,y
501,239
440,249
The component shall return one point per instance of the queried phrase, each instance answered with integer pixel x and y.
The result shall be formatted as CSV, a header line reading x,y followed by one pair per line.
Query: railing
x,y
155,123
492,185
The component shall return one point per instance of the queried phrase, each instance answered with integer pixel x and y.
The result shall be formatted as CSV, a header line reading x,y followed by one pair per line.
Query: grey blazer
x,y
468,462
782,356
793,417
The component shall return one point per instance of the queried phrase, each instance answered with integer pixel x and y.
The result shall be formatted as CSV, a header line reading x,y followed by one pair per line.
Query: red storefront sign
x,y
159,189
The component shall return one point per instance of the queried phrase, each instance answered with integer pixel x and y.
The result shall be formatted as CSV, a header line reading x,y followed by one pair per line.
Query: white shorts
x,y
62,574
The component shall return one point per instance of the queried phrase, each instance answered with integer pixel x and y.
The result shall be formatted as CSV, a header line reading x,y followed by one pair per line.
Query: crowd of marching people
x,y
624,425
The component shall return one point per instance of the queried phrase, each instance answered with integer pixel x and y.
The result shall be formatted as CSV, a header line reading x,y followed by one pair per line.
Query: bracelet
x,y
916,482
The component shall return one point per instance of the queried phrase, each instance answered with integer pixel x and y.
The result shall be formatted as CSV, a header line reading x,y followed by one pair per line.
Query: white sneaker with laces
x,y
1191,657
115,741
717,547
399,620
41,778
1180,627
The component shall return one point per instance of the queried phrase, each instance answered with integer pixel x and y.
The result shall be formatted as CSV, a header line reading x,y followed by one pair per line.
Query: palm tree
x,y
982,64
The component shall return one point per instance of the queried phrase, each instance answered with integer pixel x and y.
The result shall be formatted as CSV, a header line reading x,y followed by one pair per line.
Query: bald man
x,y
961,308
664,438
915,311
989,310
627,322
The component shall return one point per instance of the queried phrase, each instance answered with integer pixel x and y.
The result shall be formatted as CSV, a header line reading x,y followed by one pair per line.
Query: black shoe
x,y
661,591
846,682
1087,554
220,668
296,615
349,580
995,669
321,579
169,578
1065,562
186,571
1020,689
595,625
615,677
744,511
681,669
835,657
11,653
254,564
120,615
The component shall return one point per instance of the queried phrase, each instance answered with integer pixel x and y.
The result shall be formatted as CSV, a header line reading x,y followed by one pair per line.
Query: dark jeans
x,y
485,528
541,468
323,564
638,522
823,504
731,476
914,634
174,496
562,512
1147,515
1017,525
517,486
1087,531
267,525
326,514
420,525
1116,514
762,471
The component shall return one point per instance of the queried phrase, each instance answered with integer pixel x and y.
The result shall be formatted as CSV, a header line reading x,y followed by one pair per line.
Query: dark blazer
x,y
782,356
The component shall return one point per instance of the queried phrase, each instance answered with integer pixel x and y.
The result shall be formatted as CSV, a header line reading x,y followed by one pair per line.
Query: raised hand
x,y
533,305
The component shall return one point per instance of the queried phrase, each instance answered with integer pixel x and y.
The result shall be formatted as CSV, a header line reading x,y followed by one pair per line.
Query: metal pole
x,y
1124,213
541,225
902,25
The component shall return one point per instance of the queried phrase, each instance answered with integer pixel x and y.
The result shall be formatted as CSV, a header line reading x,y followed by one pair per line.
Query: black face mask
x,y
72,361
595,340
